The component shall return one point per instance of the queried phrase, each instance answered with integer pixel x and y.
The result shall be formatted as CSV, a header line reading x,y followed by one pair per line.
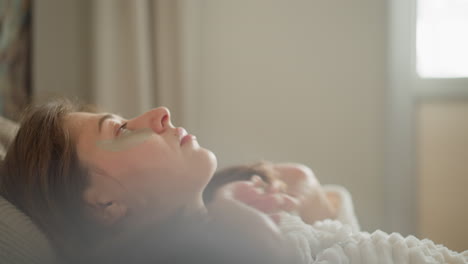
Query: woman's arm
x,y
313,201
317,202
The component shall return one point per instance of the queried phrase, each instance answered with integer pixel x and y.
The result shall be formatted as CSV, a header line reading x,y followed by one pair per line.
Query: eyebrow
x,y
102,119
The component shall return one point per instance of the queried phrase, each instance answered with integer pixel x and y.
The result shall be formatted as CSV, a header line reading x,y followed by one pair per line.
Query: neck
x,y
197,208
194,209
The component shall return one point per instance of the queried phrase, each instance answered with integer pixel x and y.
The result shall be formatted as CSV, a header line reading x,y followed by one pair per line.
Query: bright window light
x,y
442,38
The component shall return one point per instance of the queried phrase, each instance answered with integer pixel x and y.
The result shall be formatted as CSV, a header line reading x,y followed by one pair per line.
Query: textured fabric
x,y
21,242
334,242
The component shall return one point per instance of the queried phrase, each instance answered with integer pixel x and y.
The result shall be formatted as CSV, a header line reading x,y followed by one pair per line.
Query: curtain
x,y
15,56
135,56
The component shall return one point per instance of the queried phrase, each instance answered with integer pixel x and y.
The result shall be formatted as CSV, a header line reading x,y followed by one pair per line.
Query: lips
x,y
187,138
184,136
181,133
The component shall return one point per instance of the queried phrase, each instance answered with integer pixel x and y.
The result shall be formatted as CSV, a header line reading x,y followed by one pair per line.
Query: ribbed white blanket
x,y
336,242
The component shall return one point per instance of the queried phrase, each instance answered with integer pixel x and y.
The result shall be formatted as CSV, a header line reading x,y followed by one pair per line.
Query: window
x,y
442,38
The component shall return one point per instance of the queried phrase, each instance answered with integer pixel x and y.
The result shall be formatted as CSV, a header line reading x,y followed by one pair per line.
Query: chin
x,y
207,164
212,160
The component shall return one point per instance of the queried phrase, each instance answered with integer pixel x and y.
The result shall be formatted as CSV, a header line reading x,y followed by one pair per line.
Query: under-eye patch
x,y
127,140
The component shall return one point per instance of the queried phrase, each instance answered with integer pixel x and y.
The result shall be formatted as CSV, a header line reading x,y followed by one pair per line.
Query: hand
x,y
301,183
264,197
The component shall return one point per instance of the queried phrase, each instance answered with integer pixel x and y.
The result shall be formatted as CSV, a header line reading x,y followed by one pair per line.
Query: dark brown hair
x,y
43,176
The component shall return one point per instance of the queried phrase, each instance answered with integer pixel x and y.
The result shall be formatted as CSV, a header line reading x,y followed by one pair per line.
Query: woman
x,y
86,179
108,189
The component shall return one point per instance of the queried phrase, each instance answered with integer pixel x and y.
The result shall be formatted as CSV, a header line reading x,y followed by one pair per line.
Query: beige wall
x,y
297,81
443,172
272,79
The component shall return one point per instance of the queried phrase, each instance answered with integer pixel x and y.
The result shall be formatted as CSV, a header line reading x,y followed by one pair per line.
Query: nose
x,y
158,119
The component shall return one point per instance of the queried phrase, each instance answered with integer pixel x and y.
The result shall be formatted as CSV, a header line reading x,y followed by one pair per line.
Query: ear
x,y
103,207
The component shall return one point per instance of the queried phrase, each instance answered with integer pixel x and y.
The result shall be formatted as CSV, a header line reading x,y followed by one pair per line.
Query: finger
x,y
238,189
274,186
271,203
290,203
258,182
255,179
268,203
247,193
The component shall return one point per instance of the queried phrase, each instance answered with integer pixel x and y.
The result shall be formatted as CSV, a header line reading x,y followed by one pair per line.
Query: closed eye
x,y
122,129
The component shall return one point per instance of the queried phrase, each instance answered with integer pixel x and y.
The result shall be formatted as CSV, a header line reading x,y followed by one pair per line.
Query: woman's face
x,y
141,164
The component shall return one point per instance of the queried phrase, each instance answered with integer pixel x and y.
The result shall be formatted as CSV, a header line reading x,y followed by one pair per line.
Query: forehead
x,y
79,122
83,128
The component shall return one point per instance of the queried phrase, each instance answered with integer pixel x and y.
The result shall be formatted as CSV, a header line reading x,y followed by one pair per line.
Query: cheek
x,y
138,170
143,157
